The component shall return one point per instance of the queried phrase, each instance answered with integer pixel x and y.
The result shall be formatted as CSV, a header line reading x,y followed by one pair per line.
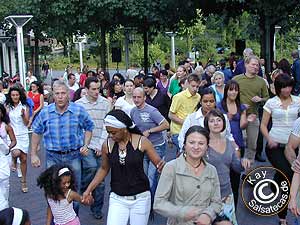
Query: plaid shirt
x,y
64,131
97,110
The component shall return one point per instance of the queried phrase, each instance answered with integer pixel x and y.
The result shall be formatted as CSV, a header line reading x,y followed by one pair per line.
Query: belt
x,y
133,197
64,152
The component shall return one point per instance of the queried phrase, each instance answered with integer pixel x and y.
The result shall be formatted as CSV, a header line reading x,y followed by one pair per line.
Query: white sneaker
x,y
19,170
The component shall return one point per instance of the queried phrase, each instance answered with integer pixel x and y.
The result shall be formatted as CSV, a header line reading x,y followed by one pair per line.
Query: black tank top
x,y
128,179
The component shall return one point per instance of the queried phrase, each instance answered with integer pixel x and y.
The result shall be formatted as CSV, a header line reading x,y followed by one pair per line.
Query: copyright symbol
x,y
259,193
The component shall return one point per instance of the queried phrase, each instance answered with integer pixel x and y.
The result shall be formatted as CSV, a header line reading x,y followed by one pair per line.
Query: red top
x,y
35,98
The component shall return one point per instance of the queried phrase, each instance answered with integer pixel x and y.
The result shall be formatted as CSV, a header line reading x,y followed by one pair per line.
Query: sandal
x,y
24,187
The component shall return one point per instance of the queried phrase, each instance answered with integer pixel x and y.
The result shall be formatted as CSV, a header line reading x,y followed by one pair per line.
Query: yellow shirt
x,y
182,105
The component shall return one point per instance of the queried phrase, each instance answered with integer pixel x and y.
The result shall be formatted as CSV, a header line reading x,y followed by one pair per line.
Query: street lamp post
x,y
19,21
3,41
172,35
80,40
277,28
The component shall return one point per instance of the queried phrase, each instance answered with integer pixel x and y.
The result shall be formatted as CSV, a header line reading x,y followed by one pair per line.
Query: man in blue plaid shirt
x,y
67,130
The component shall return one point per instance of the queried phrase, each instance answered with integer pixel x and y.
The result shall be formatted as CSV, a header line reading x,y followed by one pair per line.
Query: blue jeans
x,y
90,164
150,168
175,142
72,159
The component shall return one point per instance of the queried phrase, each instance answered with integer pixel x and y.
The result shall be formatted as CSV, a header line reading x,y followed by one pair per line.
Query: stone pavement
x,y
34,201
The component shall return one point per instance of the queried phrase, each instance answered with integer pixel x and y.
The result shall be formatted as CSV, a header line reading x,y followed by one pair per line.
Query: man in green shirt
x,y
253,93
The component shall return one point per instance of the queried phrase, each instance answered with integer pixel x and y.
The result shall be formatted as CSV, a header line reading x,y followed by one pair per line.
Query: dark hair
x,y
276,64
120,76
7,216
70,74
150,82
91,72
77,94
112,85
124,118
281,81
50,181
197,129
216,113
207,91
89,80
231,84
9,100
129,80
167,66
4,116
164,72
39,85
285,66
193,77
106,76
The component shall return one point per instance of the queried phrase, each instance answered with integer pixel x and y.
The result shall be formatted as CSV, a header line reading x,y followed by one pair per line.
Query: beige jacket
x,y
179,191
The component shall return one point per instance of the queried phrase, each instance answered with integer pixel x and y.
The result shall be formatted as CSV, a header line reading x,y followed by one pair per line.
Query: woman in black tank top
x,y
123,153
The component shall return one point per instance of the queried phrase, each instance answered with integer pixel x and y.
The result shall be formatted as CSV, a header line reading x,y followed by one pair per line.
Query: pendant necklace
x,y
122,156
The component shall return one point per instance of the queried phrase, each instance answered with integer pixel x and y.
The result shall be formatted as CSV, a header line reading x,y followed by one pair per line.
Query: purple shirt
x,y
147,118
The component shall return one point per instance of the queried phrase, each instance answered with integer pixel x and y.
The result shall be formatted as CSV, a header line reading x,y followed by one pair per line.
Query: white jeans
x,y
121,209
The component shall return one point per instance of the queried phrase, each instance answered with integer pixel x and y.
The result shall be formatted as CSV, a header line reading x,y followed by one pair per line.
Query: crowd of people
x,y
213,117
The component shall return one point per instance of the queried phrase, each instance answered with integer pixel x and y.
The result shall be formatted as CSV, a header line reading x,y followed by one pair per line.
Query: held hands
x,y
146,133
87,198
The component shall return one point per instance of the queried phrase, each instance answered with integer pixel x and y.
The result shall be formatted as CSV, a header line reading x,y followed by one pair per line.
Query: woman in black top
x,y
123,153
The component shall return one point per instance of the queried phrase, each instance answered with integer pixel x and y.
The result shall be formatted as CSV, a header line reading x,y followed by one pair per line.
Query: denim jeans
x,y
73,159
90,164
150,168
174,138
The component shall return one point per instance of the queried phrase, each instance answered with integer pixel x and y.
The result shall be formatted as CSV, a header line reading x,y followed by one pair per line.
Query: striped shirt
x,y
62,210
97,110
63,131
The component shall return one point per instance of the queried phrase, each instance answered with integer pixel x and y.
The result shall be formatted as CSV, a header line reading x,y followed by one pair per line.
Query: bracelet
x,y
237,149
149,131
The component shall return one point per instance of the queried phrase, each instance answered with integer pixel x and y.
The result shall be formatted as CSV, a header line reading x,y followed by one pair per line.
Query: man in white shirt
x,y
72,82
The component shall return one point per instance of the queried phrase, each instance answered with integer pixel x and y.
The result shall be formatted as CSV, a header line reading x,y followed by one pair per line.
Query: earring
x,y
206,155
184,153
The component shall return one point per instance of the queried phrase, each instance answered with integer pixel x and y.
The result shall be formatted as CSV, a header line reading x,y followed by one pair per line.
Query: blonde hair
x,y
217,73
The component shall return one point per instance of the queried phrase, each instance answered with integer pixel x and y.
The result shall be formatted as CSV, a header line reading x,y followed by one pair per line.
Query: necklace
x,y
122,156
195,167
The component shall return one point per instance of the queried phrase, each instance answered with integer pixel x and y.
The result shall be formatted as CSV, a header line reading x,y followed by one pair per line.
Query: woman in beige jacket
x,y
188,191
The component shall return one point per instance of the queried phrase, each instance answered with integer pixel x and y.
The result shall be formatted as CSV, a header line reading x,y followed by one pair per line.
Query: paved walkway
x,y
34,201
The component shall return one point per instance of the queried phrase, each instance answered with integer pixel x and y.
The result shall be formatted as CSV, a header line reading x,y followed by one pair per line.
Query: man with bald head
x,y
240,67
151,123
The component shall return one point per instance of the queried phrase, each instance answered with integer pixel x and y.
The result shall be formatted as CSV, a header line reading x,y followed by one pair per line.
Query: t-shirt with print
x,y
147,118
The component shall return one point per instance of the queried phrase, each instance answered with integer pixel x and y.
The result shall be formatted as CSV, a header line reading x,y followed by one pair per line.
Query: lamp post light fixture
x,y
19,21
80,40
172,35
277,28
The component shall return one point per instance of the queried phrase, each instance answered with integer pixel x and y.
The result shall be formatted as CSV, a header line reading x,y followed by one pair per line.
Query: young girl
x,y
5,129
58,182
